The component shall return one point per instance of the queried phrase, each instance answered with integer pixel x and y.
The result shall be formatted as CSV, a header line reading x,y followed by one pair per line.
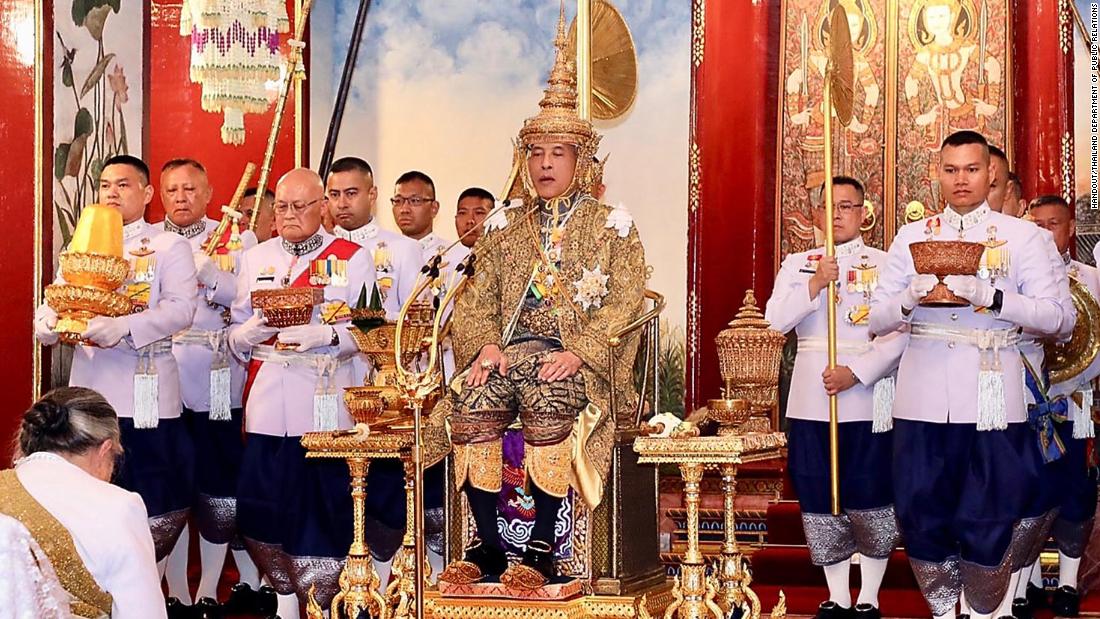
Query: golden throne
x,y
614,548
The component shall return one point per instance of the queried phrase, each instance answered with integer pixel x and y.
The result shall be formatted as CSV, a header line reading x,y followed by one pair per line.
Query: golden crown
x,y
558,120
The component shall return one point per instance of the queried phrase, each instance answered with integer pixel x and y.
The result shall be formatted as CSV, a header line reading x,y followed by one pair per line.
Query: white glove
x,y
206,269
105,331
254,331
45,319
306,337
978,291
919,287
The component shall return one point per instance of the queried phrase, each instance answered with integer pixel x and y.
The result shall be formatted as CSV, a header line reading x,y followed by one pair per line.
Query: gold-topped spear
x,y
292,60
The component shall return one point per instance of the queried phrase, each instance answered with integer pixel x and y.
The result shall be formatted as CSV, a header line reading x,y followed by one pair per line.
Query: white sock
x,y
1021,584
250,574
436,563
383,569
213,560
288,606
871,572
837,577
964,607
1067,570
947,615
1005,609
1037,575
175,571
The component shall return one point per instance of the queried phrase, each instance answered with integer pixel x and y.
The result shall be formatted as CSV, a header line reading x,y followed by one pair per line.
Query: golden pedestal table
x,y
359,581
695,594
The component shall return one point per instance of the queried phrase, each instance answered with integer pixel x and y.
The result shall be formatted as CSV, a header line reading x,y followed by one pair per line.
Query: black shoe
x,y
265,602
206,608
1037,597
964,616
242,600
866,611
1066,602
1021,608
540,556
177,609
832,610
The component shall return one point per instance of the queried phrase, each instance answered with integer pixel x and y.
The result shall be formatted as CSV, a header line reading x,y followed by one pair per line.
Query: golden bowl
x,y
729,414
76,305
378,407
943,258
287,307
94,270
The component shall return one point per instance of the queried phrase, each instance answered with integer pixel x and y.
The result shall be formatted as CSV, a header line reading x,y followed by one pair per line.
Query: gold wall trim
x,y
298,105
777,240
1068,185
39,184
890,129
698,31
695,178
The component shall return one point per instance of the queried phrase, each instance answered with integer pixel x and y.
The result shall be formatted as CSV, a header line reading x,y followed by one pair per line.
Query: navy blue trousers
x,y
959,492
158,464
864,459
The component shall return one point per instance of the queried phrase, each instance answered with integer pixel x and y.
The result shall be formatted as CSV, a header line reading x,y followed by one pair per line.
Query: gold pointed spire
x,y
557,120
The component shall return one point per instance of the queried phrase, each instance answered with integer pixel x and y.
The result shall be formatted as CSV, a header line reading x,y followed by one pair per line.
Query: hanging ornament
x,y
234,53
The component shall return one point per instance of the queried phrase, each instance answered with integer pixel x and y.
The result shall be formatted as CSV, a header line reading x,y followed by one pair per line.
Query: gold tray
x,y
93,270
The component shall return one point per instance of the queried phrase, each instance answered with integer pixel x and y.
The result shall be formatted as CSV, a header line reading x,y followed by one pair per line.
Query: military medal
x,y
811,264
143,265
995,260
267,274
862,279
383,269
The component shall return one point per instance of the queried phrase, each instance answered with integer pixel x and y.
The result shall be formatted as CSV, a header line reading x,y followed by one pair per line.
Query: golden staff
x,y
231,213
295,55
584,59
837,98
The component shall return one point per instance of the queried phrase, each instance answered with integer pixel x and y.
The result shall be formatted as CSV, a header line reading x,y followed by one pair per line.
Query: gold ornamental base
x,y
642,606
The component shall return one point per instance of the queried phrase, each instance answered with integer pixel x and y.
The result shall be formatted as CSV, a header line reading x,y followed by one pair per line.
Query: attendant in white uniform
x,y
965,461
68,446
295,514
1068,493
351,196
864,386
131,363
211,382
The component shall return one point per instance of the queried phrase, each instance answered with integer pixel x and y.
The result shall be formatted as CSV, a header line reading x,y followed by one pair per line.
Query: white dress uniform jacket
x,y
871,360
109,526
281,400
195,359
938,379
162,279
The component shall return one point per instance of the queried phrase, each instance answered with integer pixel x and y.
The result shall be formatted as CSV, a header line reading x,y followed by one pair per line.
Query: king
x,y
554,277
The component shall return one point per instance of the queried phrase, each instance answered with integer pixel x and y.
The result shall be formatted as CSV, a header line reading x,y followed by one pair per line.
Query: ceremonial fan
x,y
838,100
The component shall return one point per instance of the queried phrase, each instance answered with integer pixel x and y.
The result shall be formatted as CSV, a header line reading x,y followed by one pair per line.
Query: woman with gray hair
x,y
94,534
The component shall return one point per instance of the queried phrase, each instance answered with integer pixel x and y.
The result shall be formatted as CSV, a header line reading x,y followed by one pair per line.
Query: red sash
x,y
342,250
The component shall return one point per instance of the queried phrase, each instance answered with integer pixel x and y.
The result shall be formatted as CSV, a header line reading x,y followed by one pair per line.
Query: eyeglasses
x,y
281,208
843,207
415,201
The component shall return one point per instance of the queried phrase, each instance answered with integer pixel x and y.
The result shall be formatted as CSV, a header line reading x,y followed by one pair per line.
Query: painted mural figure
x,y
802,96
948,36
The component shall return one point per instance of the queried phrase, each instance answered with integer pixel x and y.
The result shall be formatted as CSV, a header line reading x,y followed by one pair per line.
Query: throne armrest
x,y
649,323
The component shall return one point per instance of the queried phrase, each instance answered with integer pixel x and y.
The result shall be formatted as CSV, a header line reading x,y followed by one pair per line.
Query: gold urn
x,y
93,269
380,403
749,353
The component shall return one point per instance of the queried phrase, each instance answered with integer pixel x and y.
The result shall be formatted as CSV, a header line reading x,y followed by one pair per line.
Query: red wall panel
x,y
176,126
731,233
17,211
